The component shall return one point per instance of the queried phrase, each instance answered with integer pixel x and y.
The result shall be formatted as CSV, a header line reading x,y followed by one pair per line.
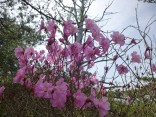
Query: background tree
x,y
149,1
13,33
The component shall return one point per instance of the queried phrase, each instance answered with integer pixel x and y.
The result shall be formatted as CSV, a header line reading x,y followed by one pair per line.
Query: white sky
x,y
126,13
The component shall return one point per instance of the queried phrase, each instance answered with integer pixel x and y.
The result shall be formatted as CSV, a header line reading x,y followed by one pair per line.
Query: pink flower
x,y
20,75
54,50
21,58
78,58
73,80
80,98
95,32
122,69
22,62
29,51
115,57
87,82
59,96
62,40
118,38
89,52
75,52
133,42
153,67
2,90
79,84
93,78
99,37
58,99
90,64
92,95
66,52
43,89
102,105
105,44
51,27
19,52
135,57
89,42
50,59
75,48
89,24
93,27
41,26
97,51
69,28
39,56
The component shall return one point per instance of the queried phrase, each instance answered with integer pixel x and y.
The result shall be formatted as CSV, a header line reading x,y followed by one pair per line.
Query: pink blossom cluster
x,y
135,57
69,28
60,75
97,35
83,101
118,38
122,69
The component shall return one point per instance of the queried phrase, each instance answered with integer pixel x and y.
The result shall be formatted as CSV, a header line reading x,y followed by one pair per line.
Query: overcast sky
x,y
126,13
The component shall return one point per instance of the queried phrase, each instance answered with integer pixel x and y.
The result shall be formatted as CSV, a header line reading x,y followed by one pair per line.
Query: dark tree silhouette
x,y
149,1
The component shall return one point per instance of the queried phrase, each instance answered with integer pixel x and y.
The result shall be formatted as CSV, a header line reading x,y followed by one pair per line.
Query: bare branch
x,y
103,14
39,11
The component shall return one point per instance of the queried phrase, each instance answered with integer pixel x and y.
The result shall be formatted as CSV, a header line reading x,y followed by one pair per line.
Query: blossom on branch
x,y
69,28
118,38
153,67
135,57
122,69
